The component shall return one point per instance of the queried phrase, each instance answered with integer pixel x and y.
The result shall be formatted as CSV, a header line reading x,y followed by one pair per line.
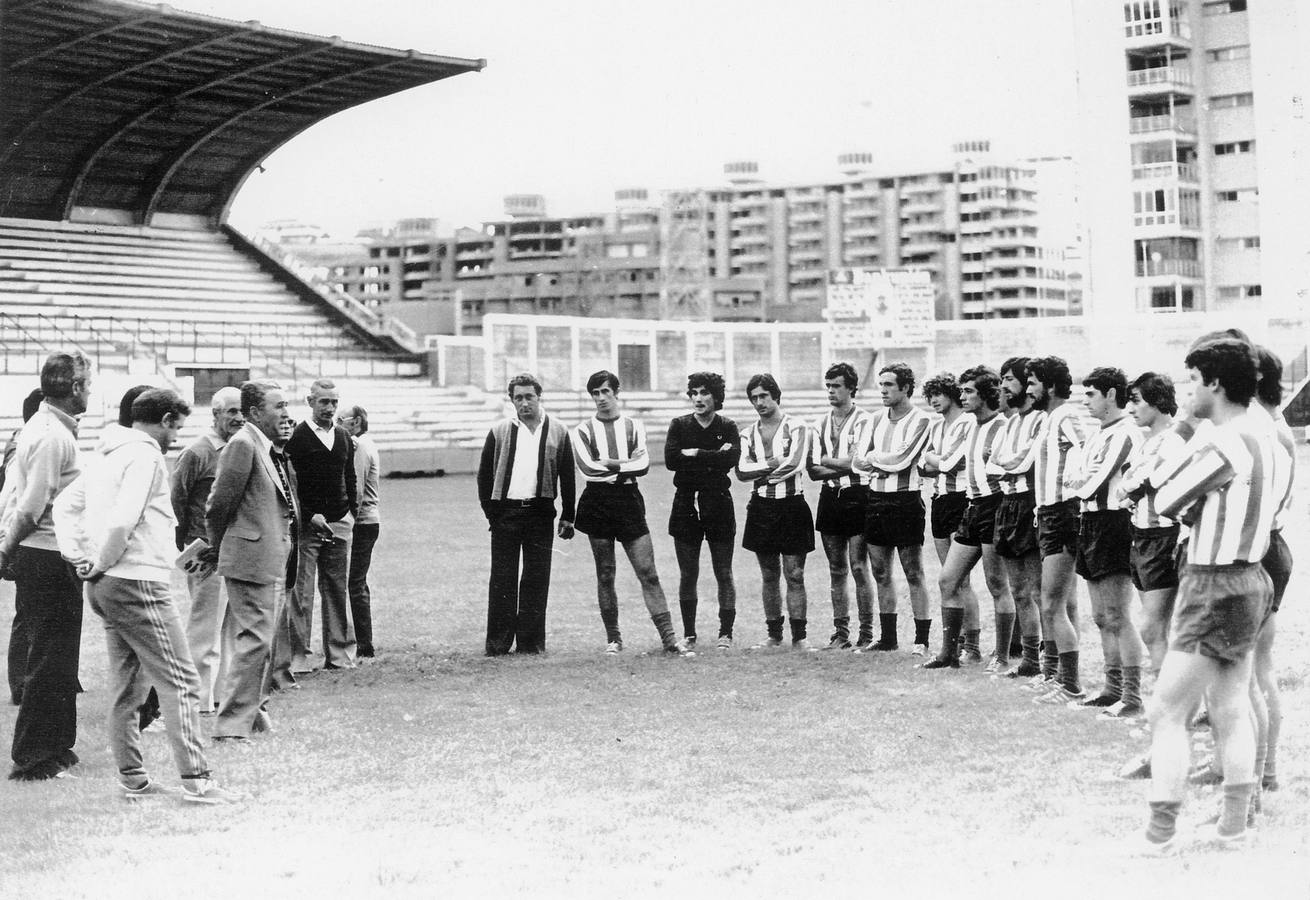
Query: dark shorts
x,y
1016,532
1105,544
703,515
947,511
1154,559
895,519
778,526
615,511
1278,563
978,524
841,512
1220,610
1057,528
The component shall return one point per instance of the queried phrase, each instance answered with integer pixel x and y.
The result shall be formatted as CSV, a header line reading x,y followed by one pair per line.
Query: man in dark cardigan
x,y
322,454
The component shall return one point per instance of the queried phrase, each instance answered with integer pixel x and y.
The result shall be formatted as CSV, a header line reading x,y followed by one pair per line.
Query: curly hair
x,y
943,383
1156,390
710,381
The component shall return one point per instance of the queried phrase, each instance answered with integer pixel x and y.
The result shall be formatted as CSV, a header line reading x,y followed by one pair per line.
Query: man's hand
x,y
87,570
565,530
692,451
318,524
208,556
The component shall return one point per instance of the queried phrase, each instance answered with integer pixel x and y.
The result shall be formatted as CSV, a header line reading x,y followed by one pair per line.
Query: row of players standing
x,y
115,519
1037,496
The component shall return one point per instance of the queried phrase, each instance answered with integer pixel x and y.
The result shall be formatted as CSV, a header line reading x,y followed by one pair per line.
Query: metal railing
x,y
373,322
1159,75
1180,122
1188,268
1180,171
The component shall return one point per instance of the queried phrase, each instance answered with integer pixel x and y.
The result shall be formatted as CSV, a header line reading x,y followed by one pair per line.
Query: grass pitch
x,y
435,772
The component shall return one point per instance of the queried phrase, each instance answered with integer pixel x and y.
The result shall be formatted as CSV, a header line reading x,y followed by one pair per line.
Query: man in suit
x,y
323,456
250,516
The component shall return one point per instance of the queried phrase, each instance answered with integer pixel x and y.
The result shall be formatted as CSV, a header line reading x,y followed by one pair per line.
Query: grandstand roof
x,y
117,105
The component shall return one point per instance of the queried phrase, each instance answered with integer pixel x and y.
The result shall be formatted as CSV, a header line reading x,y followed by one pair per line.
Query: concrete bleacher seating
x,y
184,296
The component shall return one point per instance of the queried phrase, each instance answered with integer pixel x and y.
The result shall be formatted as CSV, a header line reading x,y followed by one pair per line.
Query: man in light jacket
x,y
115,524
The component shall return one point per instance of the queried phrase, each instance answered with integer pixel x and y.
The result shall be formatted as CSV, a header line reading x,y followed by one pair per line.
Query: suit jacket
x,y
248,516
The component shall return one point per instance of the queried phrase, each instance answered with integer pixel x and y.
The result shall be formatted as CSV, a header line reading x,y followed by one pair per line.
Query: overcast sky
x,y
584,97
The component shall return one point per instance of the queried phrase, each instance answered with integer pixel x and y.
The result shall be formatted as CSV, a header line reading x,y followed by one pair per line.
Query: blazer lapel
x,y
267,462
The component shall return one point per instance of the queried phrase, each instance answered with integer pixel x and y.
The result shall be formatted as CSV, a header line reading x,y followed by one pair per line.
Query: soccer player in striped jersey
x,y
1061,436
610,449
893,444
779,527
1224,486
980,396
702,447
948,495
843,500
1105,541
1155,537
1277,562
1016,526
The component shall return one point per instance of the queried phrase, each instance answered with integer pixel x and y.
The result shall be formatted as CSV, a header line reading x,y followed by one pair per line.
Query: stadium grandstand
x,y
125,132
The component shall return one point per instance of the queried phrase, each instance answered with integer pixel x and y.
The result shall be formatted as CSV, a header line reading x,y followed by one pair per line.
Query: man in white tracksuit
x,y
115,524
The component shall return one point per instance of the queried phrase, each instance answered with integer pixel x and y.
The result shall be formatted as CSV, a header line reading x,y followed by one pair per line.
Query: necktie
x,y
286,485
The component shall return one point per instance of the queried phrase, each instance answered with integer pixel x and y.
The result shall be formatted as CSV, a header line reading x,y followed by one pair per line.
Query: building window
x,y
1224,54
1222,7
1234,147
1229,101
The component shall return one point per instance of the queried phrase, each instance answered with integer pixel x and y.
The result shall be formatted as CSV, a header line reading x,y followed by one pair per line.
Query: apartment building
x,y
748,250
1196,147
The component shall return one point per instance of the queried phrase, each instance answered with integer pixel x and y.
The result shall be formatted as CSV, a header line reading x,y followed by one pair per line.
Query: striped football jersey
x,y
1103,463
623,439
841,443
892,450
1062,434
789,446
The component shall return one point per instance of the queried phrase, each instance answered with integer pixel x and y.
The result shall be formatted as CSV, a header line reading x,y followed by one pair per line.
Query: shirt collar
x,y
265,444
68,421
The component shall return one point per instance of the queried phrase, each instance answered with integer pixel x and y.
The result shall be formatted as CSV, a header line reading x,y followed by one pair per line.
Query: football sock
x,y
1031,648
775,628
887,622
797,629
952,622
921,629
1016,637
726,619
1050,659
1237,801
1114,681
1004,627
841,629
1164,820
972,639
687,608
1131,694
609,615
664,625
1069,671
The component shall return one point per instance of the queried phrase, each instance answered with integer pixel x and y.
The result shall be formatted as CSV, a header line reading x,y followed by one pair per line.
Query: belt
x,y
523,504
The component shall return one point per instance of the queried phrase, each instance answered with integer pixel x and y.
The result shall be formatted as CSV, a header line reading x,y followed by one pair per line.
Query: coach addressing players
x,y
526,461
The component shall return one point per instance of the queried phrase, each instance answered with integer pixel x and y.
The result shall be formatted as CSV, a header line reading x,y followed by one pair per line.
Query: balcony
x,y
1171,171
1163,77
1185,268
1158,32
1180,123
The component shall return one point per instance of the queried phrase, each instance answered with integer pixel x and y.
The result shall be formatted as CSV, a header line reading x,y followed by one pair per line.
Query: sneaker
x,y
1025,669
1137,768
1120,711
838,642
884,645
919,650
769,644
690,641
801,644
997,667
724,642
681,648
206,791
865,641
1059,695
970,656
941,662
613,647
1144,846
1040,683
1101,701
1208,835
148,789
